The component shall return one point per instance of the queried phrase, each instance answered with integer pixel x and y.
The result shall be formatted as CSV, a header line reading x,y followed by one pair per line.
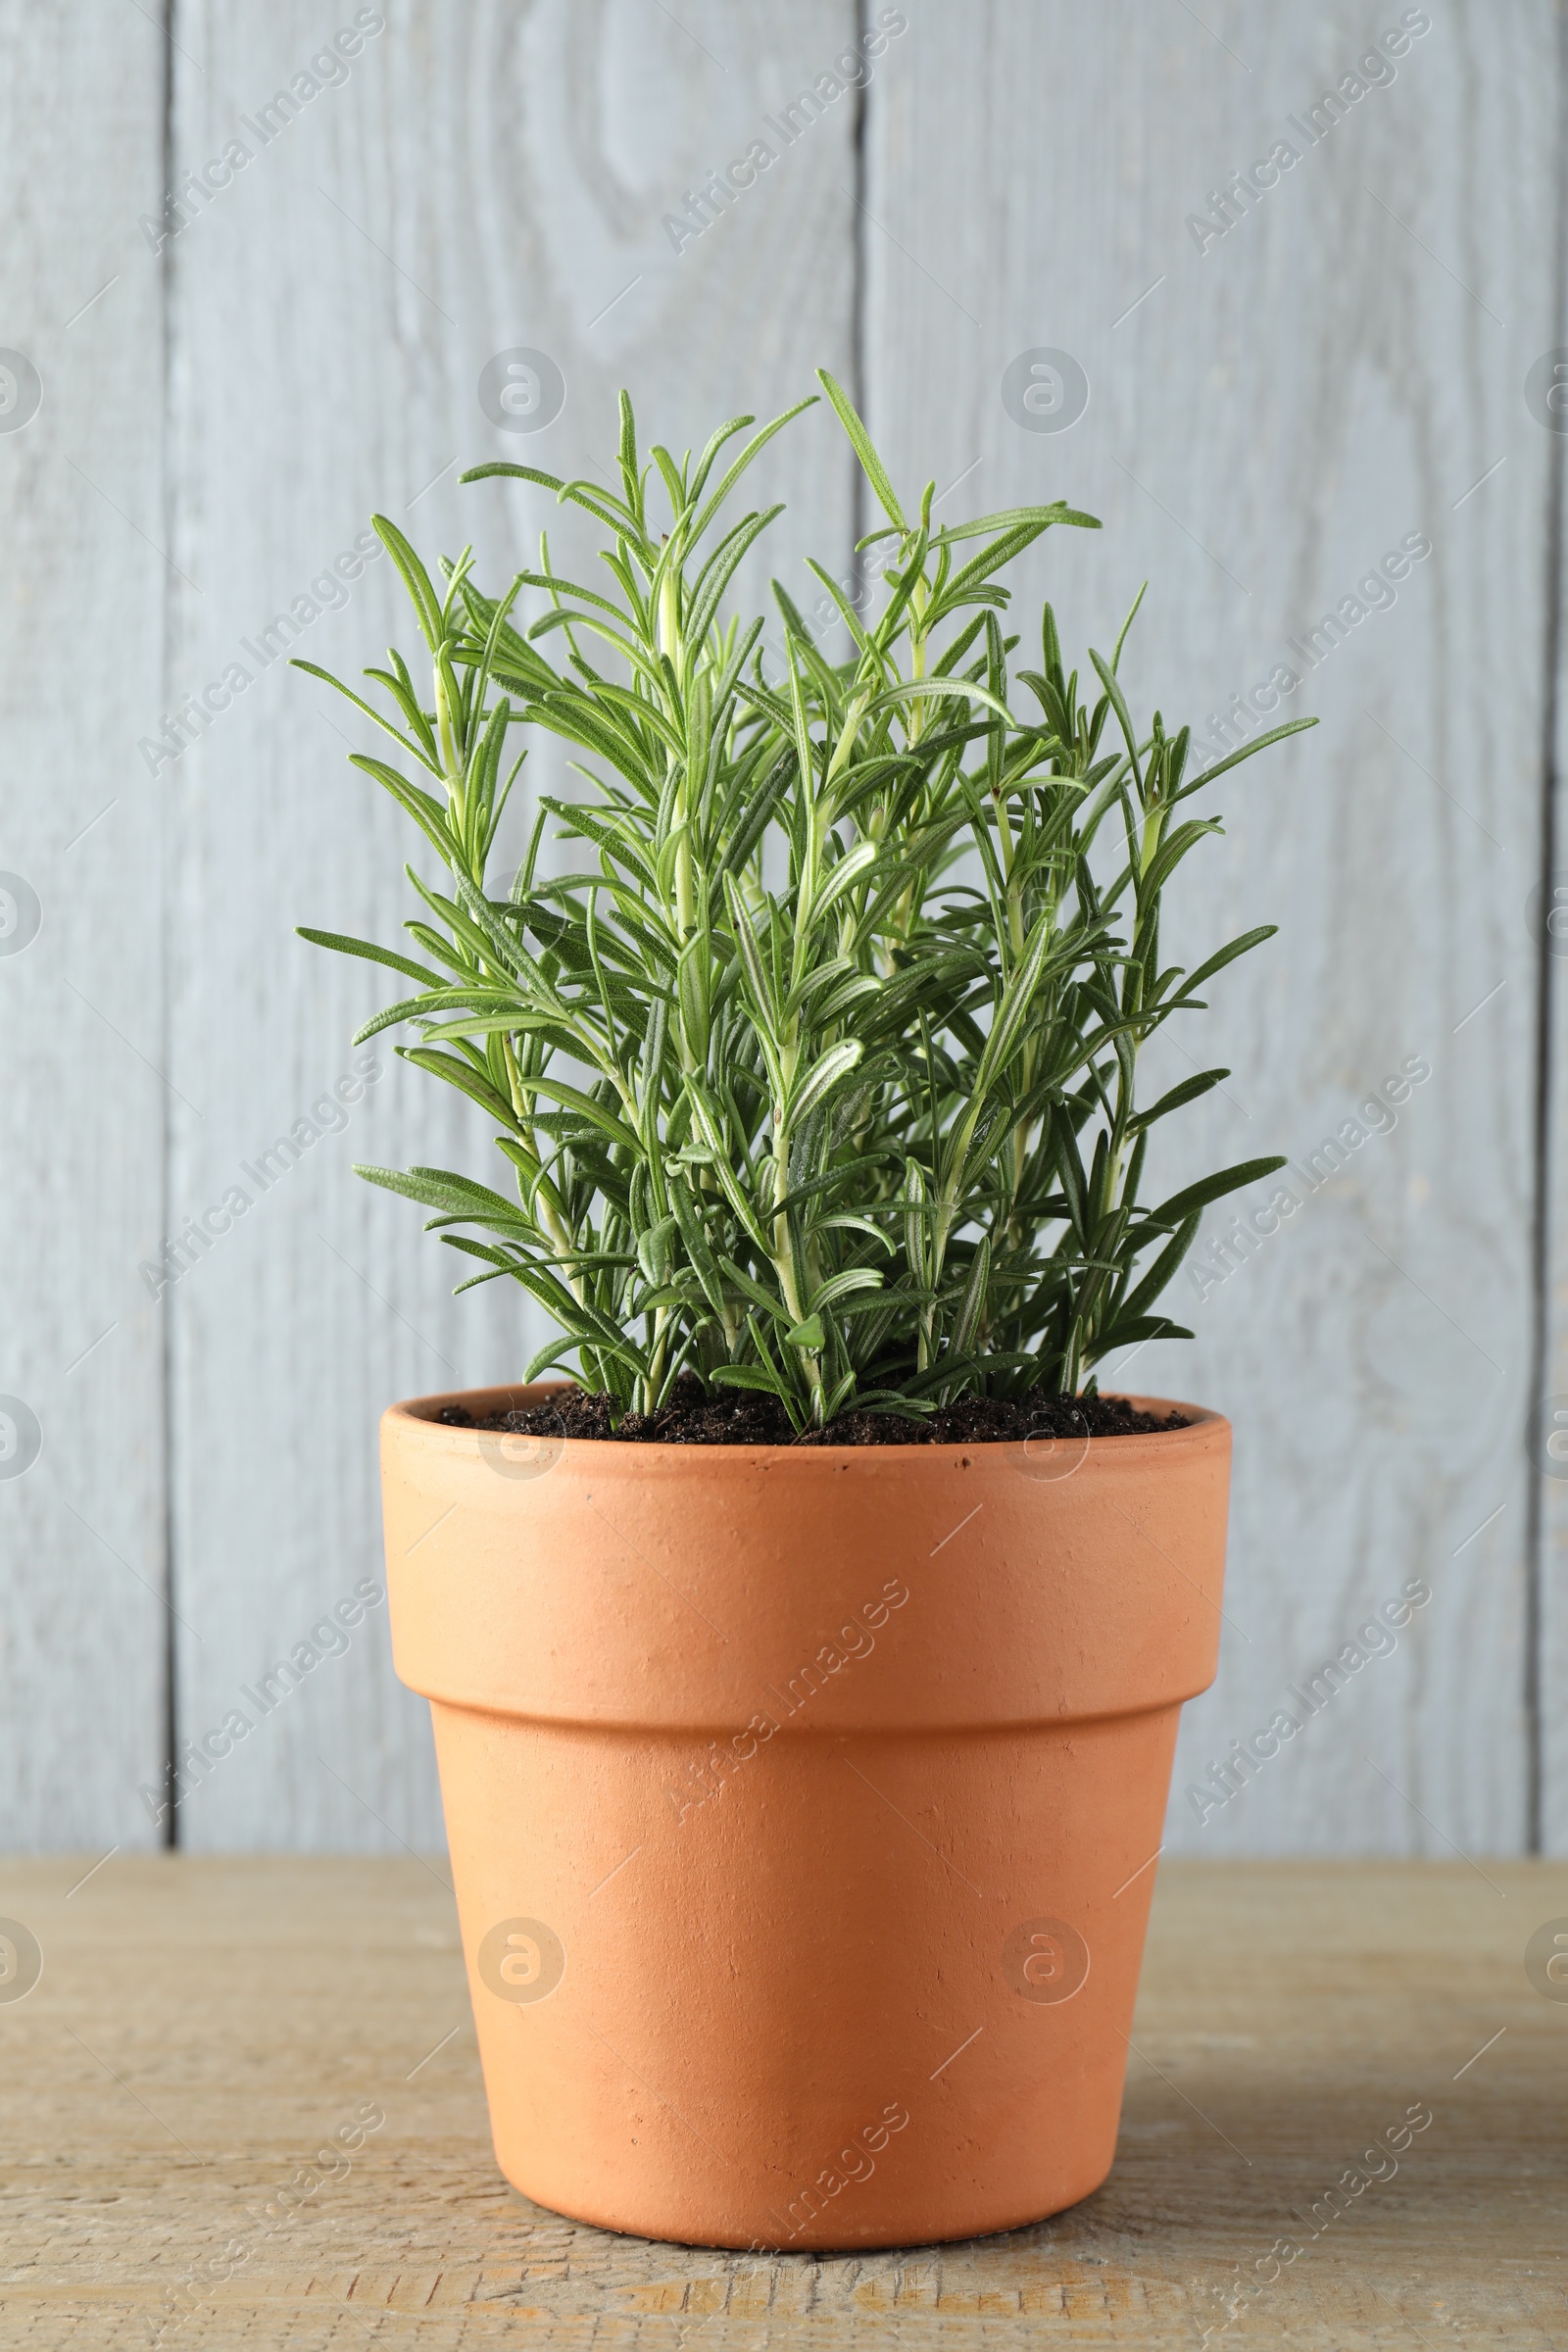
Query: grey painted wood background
x,y
1272,410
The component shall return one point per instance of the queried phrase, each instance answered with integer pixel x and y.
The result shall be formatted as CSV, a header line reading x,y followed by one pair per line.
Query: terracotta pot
x,y
801,1807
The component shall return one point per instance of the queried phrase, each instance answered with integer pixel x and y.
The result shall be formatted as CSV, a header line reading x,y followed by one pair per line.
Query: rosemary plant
x,y
818,1075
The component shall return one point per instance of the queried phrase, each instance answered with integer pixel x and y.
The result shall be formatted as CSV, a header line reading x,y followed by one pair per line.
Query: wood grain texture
x,y
484,180
1268,416
82,1000
1289,2016
1546,916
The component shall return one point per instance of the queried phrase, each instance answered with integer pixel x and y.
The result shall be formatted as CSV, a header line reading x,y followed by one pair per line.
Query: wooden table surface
x,y
202,2025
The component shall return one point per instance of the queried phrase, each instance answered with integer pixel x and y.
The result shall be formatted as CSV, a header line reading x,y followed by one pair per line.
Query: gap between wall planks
x,y
1549,1615
1293,398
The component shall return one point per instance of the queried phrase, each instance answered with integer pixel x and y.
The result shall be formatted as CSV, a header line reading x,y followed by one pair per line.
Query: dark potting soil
x,y
745,1418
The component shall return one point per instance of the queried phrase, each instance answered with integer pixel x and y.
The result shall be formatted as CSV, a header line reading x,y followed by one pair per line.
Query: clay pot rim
x,y
1204,1425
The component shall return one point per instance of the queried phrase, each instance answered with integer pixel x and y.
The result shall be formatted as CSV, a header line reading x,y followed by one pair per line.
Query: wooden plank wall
x,y
1272,412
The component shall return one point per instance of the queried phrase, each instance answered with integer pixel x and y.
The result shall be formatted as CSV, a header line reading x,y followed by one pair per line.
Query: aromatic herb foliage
x,y
817,1076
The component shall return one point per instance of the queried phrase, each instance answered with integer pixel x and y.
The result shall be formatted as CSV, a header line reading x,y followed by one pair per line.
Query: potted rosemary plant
x,y
806,1668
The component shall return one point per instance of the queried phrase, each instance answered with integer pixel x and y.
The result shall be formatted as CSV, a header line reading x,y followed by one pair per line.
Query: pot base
x,y
846,2001
998,2223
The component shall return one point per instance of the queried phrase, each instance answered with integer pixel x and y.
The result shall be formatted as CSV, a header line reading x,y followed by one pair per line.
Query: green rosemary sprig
x,y
817,1074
